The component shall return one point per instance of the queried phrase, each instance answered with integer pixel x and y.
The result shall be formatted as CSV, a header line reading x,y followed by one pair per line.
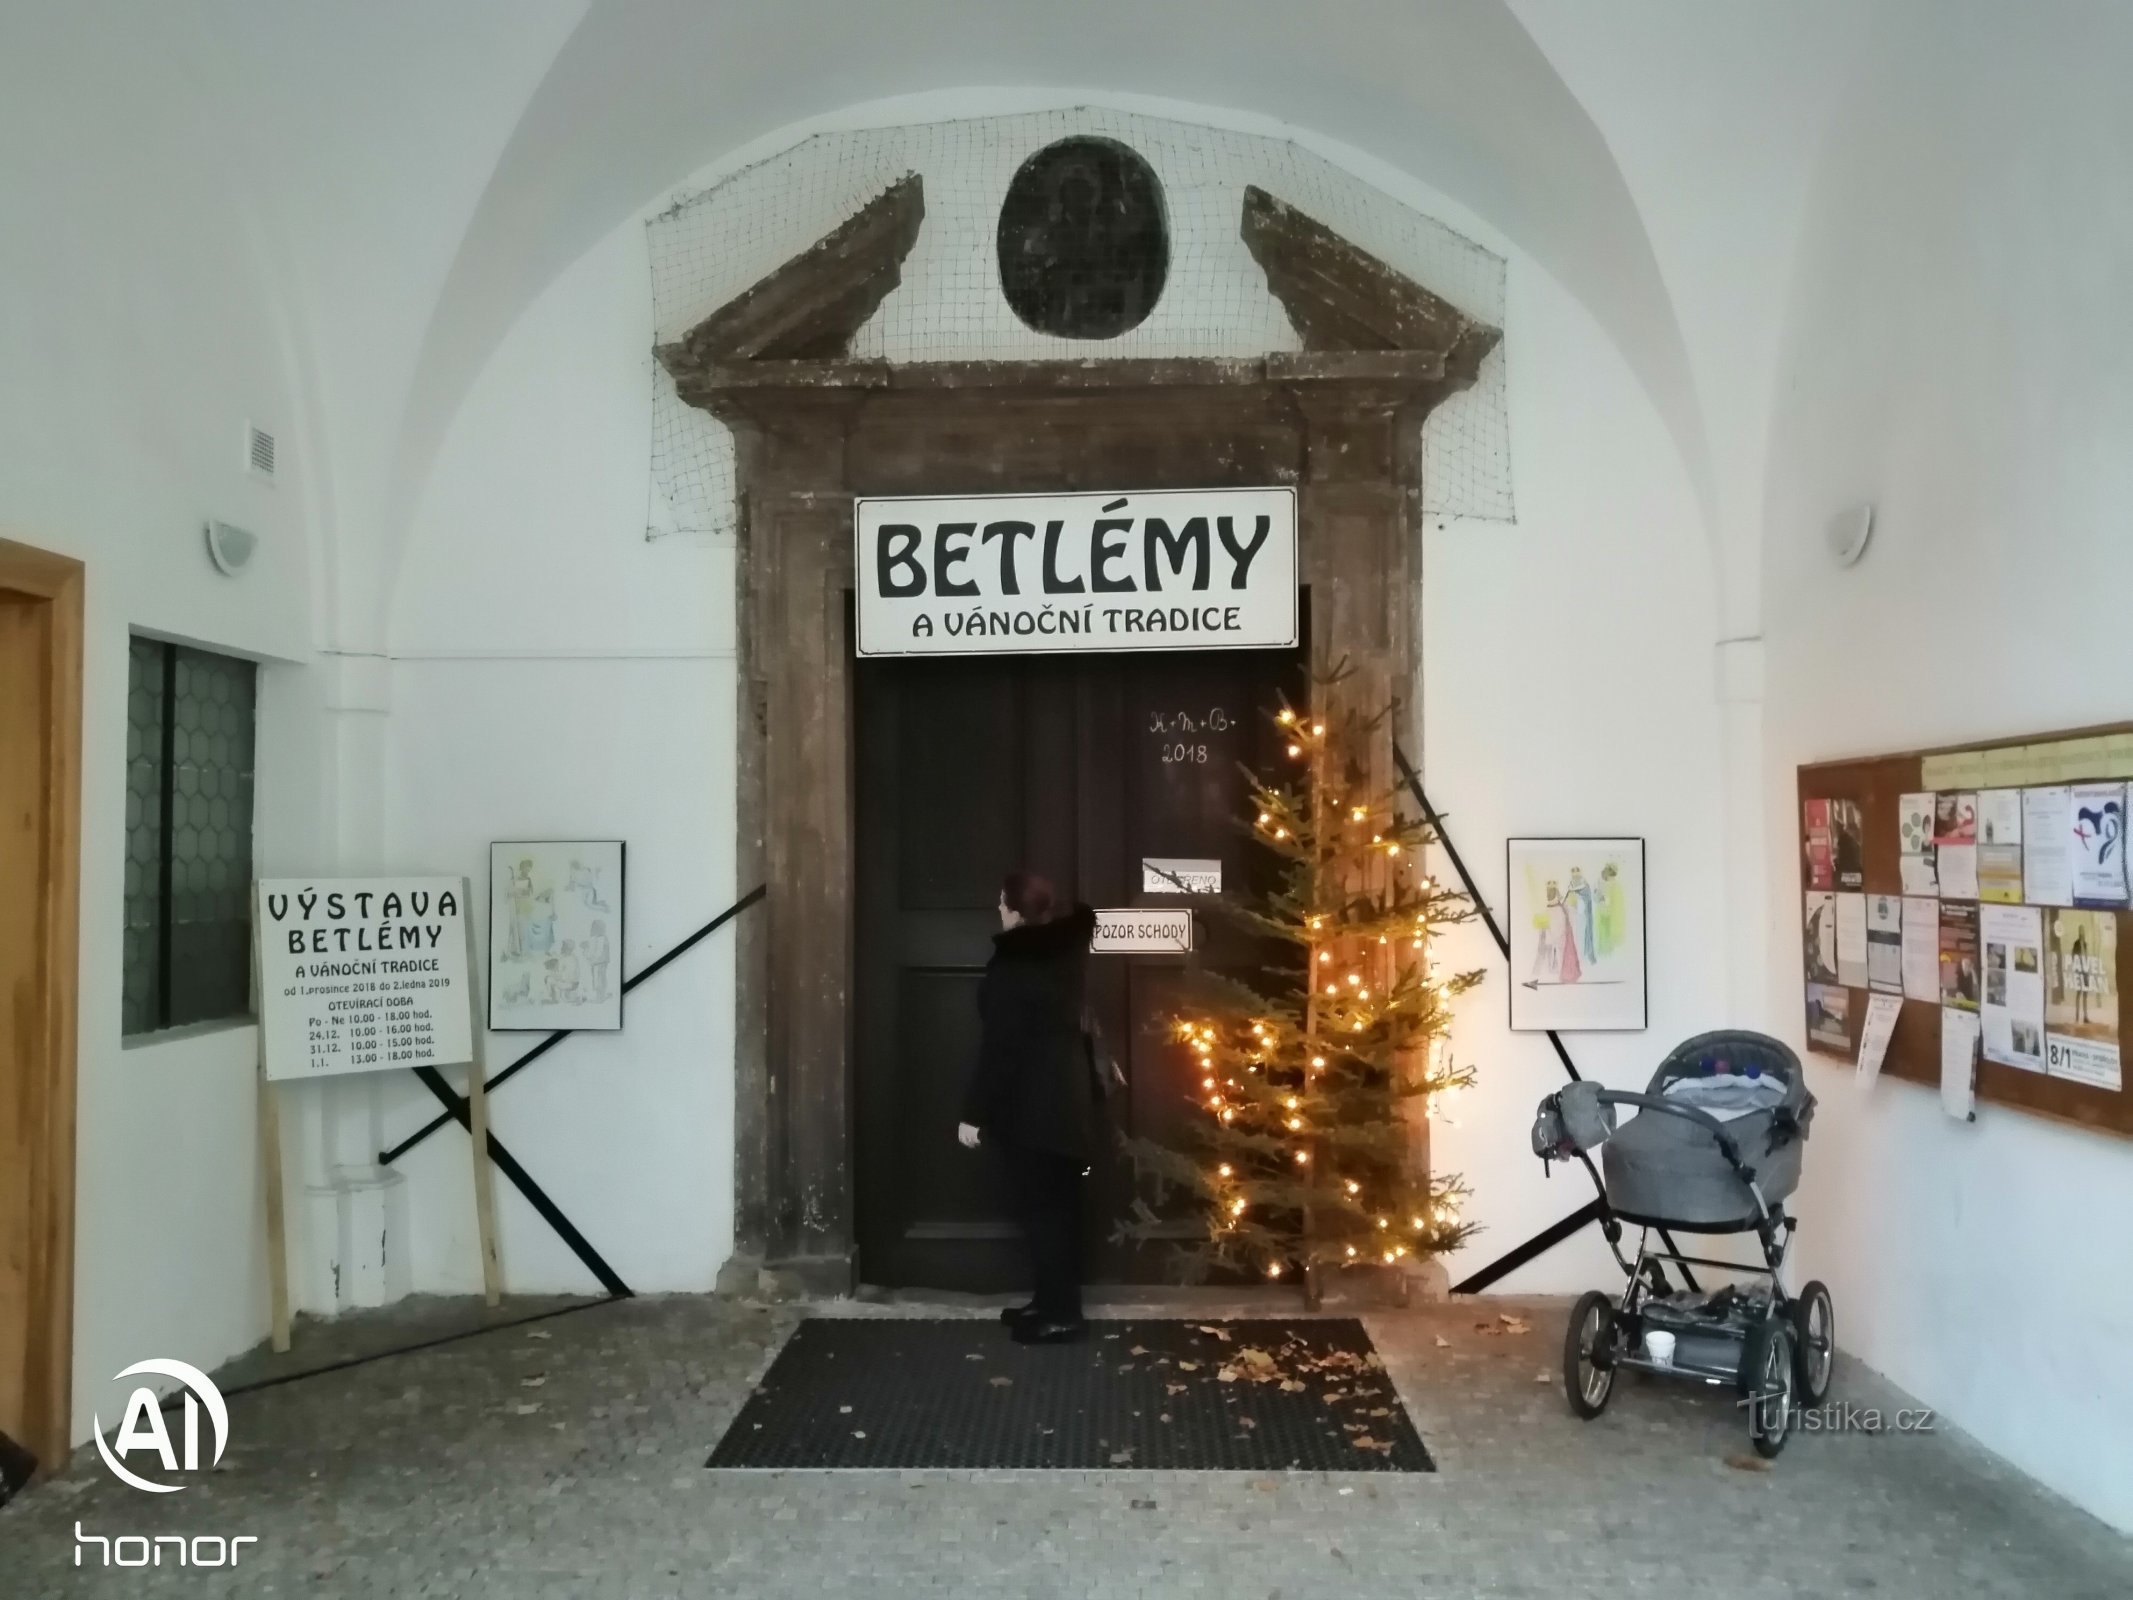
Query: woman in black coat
x,y
1035,1094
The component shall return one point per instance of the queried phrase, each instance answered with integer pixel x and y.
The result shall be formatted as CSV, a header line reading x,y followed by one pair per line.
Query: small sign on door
x,y
1180,875
1142,931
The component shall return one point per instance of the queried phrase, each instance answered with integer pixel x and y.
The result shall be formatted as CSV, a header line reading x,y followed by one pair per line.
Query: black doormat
x,y
1257,1396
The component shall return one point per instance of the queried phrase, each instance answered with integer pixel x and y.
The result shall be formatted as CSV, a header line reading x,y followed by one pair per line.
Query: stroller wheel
x,y
1770,1397
1814,1329
1589,1354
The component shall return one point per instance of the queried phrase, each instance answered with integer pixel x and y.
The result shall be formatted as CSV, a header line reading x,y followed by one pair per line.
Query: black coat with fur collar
x,y
1033,1086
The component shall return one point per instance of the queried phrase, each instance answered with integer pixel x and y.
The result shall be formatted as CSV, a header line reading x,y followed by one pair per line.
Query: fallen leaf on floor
x,y
1443,1343
1544,1377
527,1410
1120,1457
1125,1366
1188,1366
1513,1324
1747,1463
1363,1441
1138,1350
973,1356
532,1383
1162,1416
1173,1388
1227,1374
844,1411
1290,1386
1379,1411
1219,1333
1246,1422
999,1381
859,1433
540,1334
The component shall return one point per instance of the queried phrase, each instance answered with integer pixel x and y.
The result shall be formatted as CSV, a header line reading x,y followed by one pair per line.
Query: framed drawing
x,y
555,935
1577,934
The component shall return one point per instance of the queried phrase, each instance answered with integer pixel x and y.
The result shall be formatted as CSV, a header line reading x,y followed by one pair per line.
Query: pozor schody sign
x,y
1168,569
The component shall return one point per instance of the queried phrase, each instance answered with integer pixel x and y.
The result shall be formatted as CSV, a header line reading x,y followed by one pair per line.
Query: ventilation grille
x,y
259,452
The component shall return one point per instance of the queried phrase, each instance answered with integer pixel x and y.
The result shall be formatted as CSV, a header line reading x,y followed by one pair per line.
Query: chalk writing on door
x,y
1176,731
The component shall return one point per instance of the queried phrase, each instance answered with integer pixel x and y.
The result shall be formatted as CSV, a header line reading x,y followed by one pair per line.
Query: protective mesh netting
x,y
710,245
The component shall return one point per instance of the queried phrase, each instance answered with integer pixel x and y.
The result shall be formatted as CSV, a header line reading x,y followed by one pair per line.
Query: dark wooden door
x,y
1078,768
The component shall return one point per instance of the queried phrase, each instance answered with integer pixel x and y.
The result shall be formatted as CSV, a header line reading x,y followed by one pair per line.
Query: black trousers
x,y
1047,1198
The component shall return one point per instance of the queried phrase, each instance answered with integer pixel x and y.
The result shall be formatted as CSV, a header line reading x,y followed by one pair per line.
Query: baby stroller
x,y
1715,1148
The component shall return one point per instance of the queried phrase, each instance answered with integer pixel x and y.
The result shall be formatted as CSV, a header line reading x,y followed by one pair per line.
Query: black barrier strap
x,y
387,1157
1547,1238
170,1401
456,1107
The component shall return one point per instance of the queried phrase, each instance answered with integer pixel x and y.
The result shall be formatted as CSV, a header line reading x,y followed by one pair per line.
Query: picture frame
x,y
1576,925
556,910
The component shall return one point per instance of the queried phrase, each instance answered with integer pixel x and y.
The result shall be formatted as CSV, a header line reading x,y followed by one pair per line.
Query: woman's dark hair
x,y
1030,895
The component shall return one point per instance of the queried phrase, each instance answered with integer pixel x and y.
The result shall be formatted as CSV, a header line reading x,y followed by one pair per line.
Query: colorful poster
x,y
2048,845
1999,846
1958,956
1821,847
1829,1017
1576,928
1851,940
1921,950
1882,1014
2013,1012
1955,844
1819,927
1848,831
2081,998
1958,1063
2099,844
1884,943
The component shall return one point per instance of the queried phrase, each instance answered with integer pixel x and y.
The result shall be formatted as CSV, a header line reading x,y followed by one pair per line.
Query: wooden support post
x,y
492,1272
270,1159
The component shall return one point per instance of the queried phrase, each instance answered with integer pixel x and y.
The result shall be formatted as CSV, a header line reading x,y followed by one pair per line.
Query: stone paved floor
x,y
453,1471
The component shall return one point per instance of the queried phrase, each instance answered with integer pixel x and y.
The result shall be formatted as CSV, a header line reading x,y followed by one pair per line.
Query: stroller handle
x,y
1673,1108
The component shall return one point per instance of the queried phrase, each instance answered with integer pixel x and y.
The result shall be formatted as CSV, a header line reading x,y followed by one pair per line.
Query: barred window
x,y
190,719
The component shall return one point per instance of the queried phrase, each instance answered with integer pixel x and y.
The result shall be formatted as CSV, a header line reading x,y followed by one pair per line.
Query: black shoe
x,y
1034,1330
17,1467
1012,1315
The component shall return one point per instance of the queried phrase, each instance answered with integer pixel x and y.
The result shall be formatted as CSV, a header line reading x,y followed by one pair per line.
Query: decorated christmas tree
x,y
1317,1076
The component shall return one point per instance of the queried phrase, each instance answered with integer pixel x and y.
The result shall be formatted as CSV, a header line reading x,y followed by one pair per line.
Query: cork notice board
x,y
1876,786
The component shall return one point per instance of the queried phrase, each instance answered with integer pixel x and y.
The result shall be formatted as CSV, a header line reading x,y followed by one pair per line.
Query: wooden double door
x,y
1079,768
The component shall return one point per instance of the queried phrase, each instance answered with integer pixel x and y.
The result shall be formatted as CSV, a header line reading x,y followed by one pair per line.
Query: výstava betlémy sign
x,y
1162,569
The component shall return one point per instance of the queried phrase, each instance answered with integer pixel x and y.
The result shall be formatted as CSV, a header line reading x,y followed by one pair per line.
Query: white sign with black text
x,y
1180,875
1136,931
362,974
1162,569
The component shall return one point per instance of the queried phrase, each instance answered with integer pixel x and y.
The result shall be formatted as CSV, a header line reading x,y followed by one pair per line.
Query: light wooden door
x,y
40,741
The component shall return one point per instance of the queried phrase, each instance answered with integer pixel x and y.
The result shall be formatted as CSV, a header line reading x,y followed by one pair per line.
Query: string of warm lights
x,y
1306,1156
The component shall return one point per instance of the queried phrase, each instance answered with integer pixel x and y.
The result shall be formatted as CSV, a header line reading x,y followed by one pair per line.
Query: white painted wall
x,y
1568,688
138,333
557,675
1959,350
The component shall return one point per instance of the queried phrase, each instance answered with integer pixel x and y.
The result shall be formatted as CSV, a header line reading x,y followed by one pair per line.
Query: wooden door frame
x,y
54,582
1340,420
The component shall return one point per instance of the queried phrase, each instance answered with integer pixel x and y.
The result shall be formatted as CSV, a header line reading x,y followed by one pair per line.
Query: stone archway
x,y
1341,420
